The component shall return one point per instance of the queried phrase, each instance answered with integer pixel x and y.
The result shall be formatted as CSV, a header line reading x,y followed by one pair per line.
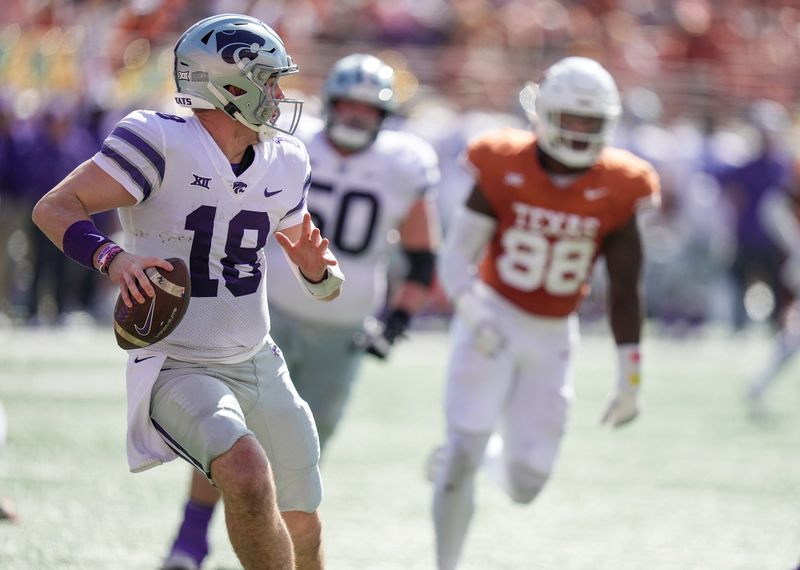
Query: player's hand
x,y
489,338
624,406
372,339
310,251
622,409
377,338
127,271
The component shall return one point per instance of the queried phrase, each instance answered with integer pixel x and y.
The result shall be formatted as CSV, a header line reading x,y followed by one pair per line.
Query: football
x,y
151,321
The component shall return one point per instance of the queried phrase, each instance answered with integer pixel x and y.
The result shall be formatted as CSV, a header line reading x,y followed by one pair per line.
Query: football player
x,y
368,185
780,215
543,208
212,188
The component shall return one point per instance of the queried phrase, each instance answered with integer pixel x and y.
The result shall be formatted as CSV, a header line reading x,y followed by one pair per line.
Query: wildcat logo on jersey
x,y
235,45
239,187
553,223
200,181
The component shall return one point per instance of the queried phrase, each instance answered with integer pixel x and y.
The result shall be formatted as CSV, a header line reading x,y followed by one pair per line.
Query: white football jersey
x,y
357,201
191,205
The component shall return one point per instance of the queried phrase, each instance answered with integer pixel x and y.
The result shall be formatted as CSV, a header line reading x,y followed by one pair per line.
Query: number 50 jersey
x,y
191,205
358,201
548,234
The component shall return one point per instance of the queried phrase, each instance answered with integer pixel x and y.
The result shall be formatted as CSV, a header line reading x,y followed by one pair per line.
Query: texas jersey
x,y
357,201
191,205
548,235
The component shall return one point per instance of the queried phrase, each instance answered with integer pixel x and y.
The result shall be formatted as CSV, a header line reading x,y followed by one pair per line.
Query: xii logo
x,y
200,181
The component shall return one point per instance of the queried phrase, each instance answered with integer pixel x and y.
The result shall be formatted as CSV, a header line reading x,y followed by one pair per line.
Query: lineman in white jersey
x,y
367,184
212,189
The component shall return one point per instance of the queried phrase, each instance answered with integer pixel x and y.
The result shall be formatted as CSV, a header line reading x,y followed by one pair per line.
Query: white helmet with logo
x,y
575,86
232,62
362,78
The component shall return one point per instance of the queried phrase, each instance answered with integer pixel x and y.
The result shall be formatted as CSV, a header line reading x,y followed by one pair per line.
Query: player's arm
x,y
63,214
314,264
419,238
470,230
624,260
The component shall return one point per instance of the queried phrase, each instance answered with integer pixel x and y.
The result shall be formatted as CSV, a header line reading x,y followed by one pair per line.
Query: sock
x,y
494,464
192,538
787,345
452,512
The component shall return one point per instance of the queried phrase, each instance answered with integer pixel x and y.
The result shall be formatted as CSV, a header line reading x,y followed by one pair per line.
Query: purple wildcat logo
x,y
235,45
239,187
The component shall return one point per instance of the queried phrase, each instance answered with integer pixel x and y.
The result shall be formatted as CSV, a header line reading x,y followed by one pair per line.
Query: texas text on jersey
x,y
548,235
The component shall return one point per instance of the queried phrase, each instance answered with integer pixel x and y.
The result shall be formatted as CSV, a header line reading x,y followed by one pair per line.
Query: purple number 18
x,y
201,222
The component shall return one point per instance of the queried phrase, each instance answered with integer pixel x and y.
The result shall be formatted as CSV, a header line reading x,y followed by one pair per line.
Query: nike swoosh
x,y
144,330
99,238
268,194
595,194
138,359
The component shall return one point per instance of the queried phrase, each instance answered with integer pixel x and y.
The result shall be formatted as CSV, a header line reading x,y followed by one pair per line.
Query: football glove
x,y
377,338
624,406
488,337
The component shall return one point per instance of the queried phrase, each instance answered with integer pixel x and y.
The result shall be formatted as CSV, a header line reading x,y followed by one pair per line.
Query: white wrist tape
x,y
629,367
332,281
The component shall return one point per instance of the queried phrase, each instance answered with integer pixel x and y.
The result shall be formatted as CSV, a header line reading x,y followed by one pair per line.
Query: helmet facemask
x,y
574,110
352,129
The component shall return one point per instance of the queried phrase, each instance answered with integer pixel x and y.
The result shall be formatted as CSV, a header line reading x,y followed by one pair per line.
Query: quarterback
x,y
212,189
368,183
543,208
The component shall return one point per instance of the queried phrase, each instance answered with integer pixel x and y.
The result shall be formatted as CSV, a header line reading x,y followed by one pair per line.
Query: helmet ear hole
x,y
235,90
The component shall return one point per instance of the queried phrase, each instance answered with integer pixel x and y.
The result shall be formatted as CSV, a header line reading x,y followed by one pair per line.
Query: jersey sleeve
x,y
427,169
134,155
294,215
647,194
639,189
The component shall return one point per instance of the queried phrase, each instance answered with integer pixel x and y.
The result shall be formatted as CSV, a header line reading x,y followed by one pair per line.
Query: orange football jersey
x,y
548,236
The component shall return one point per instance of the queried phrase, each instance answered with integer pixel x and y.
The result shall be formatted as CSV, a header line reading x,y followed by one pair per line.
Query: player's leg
x,y
477,386
536,415
201,417
322,364
786,345
190,546
282,422
257,532
306,532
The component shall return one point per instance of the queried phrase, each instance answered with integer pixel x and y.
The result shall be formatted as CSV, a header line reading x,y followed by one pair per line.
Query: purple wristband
x,y
81,241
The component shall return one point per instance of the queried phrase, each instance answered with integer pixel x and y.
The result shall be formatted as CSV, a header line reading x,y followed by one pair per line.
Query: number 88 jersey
x,y
550,231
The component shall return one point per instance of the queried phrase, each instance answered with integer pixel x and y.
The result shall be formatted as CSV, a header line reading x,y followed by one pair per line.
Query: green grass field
x,y
693,484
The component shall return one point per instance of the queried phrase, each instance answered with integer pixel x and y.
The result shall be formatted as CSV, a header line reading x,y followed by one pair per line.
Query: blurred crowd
x,y
710,89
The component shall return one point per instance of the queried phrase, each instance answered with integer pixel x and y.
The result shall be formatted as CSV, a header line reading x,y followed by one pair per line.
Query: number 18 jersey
x,y
549,235
191,205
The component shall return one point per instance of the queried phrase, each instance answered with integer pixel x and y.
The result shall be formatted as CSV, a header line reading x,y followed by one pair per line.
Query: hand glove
x,y
377,338
488,337
624,406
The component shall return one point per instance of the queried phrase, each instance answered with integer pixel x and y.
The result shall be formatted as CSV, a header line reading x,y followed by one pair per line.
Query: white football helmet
x,y
232,62
363,78
577,86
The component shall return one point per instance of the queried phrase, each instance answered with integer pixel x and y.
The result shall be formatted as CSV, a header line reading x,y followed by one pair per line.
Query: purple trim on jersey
x,y
142,146
132,170
176,447
301,205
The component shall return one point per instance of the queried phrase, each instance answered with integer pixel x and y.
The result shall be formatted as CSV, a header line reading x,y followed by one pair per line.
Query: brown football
x,y
149,322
